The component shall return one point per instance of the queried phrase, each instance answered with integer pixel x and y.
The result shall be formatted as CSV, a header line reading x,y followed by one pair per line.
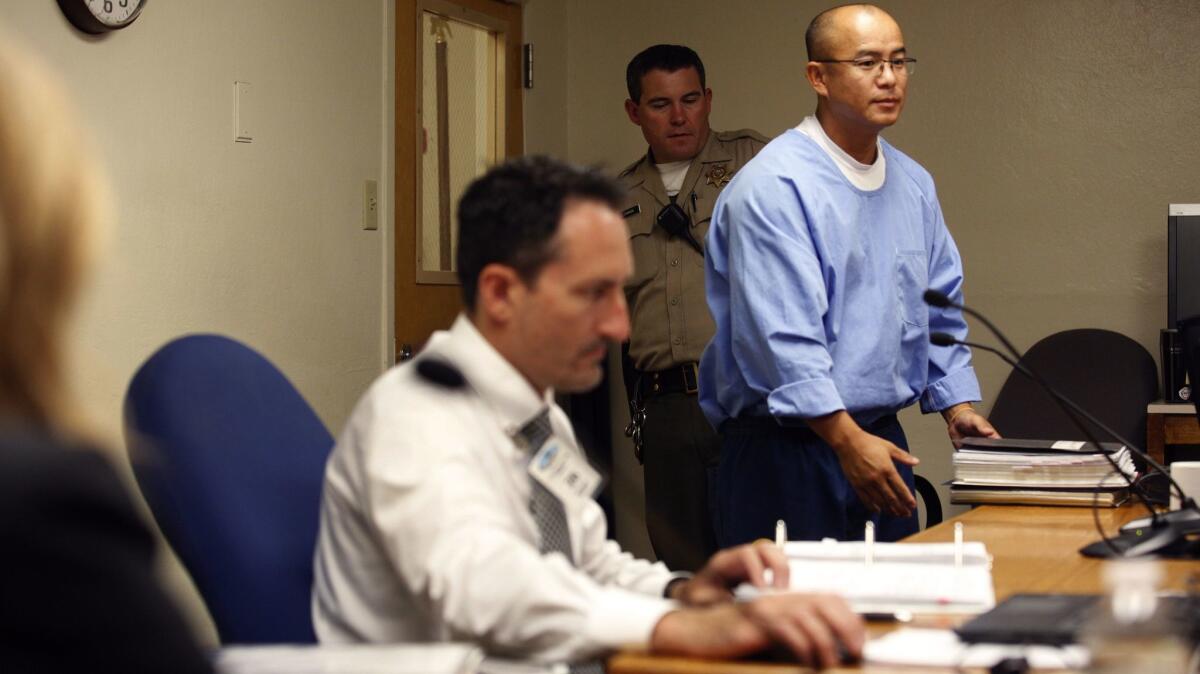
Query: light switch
x,y
242,113
371,205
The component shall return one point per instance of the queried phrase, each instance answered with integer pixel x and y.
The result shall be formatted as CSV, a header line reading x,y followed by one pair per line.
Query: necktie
x,y
547,510
550,516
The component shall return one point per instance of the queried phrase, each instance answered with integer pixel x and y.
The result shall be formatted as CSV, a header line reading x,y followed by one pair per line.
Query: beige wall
x,y
546,123
260,241
1057,133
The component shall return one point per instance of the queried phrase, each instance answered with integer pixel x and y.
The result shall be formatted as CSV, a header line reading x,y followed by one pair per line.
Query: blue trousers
x,y
770,472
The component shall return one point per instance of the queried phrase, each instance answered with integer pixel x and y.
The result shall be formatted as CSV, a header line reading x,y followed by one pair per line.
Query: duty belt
x,y
679,379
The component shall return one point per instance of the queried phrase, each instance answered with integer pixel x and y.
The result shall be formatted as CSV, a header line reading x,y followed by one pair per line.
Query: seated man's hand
x,y
811,626
962,421
731,567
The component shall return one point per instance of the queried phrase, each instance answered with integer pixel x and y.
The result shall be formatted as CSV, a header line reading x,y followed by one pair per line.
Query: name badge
x,y
564,473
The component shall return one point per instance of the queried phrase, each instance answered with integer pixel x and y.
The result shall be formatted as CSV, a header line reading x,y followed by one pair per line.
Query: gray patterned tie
x,y
547,510
550,516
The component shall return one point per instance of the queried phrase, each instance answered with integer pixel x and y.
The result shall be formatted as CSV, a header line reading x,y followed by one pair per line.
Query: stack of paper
x,y
1040,472
891,577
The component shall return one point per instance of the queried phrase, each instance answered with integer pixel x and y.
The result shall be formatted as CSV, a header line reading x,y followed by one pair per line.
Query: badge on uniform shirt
x,y
719,175
565,473
632,210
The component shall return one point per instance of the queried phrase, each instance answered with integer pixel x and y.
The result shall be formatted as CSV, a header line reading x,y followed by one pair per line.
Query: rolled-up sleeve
x,y
779,302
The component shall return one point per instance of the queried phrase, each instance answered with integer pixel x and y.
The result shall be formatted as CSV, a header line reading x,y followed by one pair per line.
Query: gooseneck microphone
x,y
936,298
1069,407
1187,516
940,300
1164,535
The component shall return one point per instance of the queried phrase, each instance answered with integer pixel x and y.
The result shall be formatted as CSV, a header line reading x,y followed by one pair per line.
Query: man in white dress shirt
x,y
457,503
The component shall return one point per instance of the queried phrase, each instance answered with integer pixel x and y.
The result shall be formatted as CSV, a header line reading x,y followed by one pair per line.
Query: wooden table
x,y
1170,424
1033,549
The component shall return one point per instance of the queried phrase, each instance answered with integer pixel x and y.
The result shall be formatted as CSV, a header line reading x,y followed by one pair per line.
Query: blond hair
x,y
53,202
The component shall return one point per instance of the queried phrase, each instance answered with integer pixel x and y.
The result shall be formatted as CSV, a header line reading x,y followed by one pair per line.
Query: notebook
x,y
920,578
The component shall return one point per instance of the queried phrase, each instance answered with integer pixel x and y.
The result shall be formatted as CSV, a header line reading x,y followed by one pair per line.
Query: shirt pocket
x,y
912,279
701,219
646,248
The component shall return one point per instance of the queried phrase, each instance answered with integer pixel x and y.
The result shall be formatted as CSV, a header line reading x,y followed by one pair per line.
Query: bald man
x,y
818,255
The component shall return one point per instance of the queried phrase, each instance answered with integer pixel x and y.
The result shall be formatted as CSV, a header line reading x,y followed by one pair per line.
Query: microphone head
x,y
942,338
937,299
440,373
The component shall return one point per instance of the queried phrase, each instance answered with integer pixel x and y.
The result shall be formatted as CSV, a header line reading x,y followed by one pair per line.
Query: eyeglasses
x,y
874,66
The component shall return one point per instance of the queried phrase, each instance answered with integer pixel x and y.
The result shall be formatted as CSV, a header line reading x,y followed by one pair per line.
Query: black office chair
x,y
929,497
1106,373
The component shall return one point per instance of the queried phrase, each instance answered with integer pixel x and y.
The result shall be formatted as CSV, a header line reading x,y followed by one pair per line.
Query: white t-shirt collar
x,y
673,173
866,177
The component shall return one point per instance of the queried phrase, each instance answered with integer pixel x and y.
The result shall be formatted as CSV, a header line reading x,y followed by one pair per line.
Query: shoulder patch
x,y
631,168
749,134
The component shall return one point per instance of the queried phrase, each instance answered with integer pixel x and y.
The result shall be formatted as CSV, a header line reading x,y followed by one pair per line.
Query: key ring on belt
x,y
637,419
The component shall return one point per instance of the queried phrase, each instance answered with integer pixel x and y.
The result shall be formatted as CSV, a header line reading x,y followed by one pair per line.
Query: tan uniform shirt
x,y
671,323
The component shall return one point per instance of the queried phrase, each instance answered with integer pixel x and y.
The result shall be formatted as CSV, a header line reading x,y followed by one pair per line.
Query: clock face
x,y
114,13
101,16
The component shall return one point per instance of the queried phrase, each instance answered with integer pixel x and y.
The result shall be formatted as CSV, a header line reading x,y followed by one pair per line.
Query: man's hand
x,y
728,568
811,626
962,421
868,462
870,468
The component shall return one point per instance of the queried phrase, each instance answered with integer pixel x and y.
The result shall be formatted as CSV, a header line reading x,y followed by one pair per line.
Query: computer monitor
x,y
1183,263
1183,295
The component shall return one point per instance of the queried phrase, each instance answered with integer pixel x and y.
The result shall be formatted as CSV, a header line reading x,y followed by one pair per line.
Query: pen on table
x,y
780,533
901,616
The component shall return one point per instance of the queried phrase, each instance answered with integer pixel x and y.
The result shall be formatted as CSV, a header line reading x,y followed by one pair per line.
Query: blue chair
x,y
231,460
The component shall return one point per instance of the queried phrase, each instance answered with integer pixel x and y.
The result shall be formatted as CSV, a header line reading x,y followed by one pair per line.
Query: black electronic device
x,y
1052,619
1183,263
676,223
1056,619
1174,372
1183,294
1187,517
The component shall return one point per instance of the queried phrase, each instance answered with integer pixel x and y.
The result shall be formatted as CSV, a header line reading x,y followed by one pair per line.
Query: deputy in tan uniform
x,y
672,190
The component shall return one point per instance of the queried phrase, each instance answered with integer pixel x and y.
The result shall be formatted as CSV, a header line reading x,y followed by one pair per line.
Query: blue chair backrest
x,y
231,460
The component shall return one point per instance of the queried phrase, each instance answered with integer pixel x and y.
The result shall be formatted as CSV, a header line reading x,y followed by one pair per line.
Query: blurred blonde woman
x,y
77,588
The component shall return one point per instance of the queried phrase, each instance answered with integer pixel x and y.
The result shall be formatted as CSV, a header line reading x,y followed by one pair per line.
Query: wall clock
x,y
101,16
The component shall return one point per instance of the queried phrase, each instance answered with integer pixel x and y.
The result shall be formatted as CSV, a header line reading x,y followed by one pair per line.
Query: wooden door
x,y
424,305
